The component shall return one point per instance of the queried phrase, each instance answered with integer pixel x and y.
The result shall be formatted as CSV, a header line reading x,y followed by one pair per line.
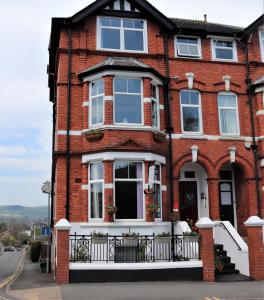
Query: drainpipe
x,y
254,145
53,162
169,131
68,163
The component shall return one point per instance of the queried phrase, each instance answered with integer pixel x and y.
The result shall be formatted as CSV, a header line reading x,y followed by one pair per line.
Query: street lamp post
x,y
46,189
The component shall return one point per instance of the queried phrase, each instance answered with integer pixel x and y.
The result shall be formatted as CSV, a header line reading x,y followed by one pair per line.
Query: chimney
x,y
205,18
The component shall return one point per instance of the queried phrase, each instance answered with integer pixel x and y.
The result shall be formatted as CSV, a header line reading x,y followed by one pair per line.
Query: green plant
x,y
130,234
163,234
35,251
190,233
153,206
99,234
159,137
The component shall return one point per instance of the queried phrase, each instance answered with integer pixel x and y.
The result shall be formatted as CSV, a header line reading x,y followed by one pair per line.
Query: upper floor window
x,y
224,49
228,114
261,40
96,190
191,119
155,105
119,34
188,46
127,101
96,102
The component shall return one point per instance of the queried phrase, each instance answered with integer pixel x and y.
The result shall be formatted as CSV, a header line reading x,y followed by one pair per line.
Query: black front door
x,y
188,201
226,202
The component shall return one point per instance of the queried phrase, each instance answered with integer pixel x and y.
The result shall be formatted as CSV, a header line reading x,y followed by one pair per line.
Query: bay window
x,y
129,189
127,101
228,114
96,102
154,106
191,111
120,34
96,190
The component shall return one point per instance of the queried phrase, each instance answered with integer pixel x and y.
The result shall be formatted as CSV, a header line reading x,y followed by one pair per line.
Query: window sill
x,y
123,127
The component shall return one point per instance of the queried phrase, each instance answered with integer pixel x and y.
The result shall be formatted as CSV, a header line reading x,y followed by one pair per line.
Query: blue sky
x,y
26,114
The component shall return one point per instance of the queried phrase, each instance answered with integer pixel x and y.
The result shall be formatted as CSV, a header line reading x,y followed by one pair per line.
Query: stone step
x,y
231,277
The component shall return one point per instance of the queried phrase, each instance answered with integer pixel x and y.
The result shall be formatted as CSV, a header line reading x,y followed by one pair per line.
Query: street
x,y
8,263
164,291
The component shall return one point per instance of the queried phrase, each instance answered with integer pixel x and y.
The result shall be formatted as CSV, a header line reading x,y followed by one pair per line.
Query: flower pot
x,y
159,137
94,135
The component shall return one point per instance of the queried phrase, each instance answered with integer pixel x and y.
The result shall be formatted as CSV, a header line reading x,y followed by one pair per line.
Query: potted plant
x,y
159,137
94,135
99,238
163,238
111,209
130,239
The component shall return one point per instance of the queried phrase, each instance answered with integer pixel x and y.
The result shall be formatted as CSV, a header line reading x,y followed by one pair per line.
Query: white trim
x,y
212,137
254,221
122,74
109,186
205,222
108,98
260,112
63,224
137,266
147,100
85,187
72,132
225,39
262,163
143,156
85,103
126,127
164,188
229,108
188,56
259,89
122,36
261,43
161,107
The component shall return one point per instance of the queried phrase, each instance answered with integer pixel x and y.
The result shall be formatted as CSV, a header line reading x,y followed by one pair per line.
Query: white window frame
x,y
224,39
157,103
122,36
159,182
128,180
261,42
89,192
188,56
200,114
136,94
230,108
90,104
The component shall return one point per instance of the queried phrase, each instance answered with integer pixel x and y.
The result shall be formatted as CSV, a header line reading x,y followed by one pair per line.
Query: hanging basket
x,y
159,137
94,135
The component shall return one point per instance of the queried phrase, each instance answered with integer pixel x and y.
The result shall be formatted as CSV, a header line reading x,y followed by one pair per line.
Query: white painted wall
x,y
238,257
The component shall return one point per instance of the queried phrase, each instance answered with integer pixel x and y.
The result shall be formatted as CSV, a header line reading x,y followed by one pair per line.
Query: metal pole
x,y
48,246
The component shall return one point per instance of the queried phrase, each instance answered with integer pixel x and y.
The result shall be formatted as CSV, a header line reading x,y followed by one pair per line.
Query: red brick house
x,y
155,116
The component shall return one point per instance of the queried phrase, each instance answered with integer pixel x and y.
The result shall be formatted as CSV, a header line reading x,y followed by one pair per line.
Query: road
x,y
8,263
165,291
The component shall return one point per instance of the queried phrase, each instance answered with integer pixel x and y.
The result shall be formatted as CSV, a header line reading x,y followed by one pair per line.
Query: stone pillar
x,y
205,226
62,251
255,227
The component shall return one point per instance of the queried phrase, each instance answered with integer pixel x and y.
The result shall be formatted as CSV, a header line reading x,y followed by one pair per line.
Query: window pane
x,y
96,200
134,86
191,119
194,98
224,53
121,85
105,21
110,38
96,171
139,24
121,169
228,121
116,22
134,40
193,41
157,200
182,40
183,49
127,109
97,110
154,108
153,91
185,98
135,170
127,23
227,101
193,50
157,173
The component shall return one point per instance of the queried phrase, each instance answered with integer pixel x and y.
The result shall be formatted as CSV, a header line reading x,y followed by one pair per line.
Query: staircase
x,y
226,271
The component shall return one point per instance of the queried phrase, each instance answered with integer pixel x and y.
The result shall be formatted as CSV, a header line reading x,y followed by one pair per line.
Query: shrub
x,y
35,251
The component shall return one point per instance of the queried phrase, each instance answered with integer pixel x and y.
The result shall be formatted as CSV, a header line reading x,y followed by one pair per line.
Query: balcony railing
x,y
132,249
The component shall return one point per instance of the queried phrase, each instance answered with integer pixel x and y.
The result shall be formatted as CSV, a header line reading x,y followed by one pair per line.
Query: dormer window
x,y
119,34
224,49
188,47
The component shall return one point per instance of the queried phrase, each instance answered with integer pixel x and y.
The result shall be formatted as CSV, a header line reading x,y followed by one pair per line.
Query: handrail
x,y
223,225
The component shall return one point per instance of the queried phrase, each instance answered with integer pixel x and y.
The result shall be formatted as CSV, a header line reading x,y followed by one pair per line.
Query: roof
x,y
120,63
254,25
206,27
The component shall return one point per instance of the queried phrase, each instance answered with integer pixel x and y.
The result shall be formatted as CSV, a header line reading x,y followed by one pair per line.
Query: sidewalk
x,y
34,285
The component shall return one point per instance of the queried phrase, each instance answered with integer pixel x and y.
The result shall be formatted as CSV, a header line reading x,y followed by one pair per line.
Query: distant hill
x,y
23,213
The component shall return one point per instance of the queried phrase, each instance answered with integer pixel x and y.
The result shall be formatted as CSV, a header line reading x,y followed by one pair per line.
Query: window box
x,y
188,46
130,239
94,135
159,137
99,238
224,49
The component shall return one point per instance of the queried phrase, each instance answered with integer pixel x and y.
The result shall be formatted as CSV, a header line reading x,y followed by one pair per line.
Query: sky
x,y
25,111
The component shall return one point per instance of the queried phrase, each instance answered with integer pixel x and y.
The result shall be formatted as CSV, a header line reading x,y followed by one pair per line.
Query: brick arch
x,y
242,162
202,160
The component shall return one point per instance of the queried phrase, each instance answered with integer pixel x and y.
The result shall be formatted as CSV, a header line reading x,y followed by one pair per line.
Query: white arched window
x,y
228,113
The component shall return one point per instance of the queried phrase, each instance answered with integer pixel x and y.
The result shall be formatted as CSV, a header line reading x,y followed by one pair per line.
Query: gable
x,y
122,5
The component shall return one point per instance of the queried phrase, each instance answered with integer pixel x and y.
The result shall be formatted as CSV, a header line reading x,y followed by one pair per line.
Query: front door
x,y
188,201
226,202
